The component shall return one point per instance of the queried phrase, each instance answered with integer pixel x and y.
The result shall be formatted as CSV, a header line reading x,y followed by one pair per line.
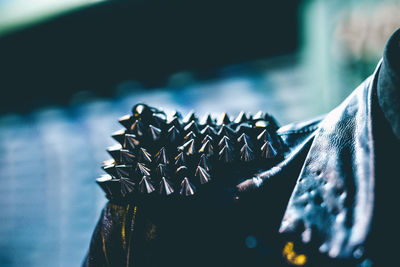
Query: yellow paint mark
x,y
292,257
123,235
104,248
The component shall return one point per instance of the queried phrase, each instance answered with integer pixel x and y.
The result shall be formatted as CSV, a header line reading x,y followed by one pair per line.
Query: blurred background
x,y
70,68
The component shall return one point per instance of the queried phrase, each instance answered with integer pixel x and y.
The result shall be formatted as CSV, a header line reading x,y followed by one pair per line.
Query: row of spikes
x,y
132,152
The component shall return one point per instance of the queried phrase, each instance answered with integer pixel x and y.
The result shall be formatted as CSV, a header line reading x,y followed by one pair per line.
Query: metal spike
x,y
264,136
161,156
127,157
224,119
226,130
244,128
204,162
207,120
159,119
165,187
177,114
130,142
244,139
189,147
145,185
189,117
246,154
161,170
268,151
259,115
143,155
142,170
110,169
137,128
126,121
187,189
123,171
127,185
191,127
155,132
208,130
225,141
190,135
241,118
174,122
180,159
226,154
173,134
203,175
104,182
114,151
207,148
119,136
206,138
182,171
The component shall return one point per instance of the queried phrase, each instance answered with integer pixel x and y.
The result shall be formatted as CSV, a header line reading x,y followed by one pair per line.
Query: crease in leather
x,y
332,202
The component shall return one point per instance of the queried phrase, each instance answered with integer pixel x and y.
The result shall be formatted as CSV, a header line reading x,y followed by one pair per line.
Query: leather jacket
x,y
330,200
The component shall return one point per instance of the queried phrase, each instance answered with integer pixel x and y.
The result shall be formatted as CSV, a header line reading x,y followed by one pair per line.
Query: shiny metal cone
x,y
127,157
126,121
123,170
143,155
204,163
165,187
104,182
202,174
207,120
244,139
226,155
264,136
173,134
223,119
268,151
115,151
208,130
182,171
180,159
138,128
225,141
131,142
259,115
241,118
174,122
161,170
161,156
246,153
226,131
110,169
191,127
206,138
119,136
187,189
127,186
189,117
154,132
189,147
207,148
142,170
145,185
190,135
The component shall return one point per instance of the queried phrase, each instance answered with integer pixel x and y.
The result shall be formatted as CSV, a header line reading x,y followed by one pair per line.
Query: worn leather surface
x,y
321,197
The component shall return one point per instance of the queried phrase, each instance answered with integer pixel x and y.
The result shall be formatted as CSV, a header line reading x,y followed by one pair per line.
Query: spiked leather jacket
x,y
317,193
